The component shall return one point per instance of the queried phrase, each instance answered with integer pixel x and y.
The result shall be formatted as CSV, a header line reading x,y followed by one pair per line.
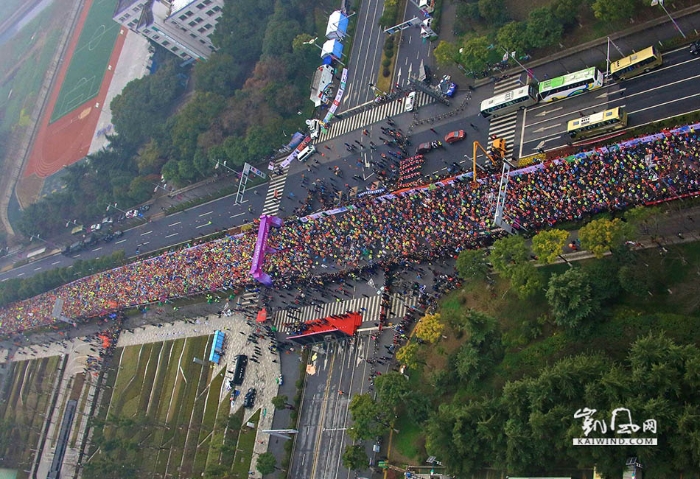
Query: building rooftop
x,y
123,5
180,4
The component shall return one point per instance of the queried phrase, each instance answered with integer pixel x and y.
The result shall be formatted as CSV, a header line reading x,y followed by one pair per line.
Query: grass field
x,y
90,59
22,415
23,60
164,416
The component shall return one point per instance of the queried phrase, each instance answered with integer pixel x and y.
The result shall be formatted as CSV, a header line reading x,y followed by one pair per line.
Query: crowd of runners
x,y
421,224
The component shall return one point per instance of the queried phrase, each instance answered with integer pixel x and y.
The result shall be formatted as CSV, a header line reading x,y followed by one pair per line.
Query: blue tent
x,y
333,49
337,26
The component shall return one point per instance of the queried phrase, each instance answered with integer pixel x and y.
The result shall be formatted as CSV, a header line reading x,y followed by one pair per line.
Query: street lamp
x,y
530,73
661,2
223,163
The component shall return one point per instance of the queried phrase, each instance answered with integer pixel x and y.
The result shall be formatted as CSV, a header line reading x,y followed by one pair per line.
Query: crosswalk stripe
x,y
504,126
369,117
369,307
271,205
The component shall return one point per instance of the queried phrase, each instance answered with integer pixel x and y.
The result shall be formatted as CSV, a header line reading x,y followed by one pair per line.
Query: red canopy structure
x,y
341,326
262,316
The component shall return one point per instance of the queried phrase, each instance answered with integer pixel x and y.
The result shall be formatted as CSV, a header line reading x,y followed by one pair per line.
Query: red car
x,y
455,136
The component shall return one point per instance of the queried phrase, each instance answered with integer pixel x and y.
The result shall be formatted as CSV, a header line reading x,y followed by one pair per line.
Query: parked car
x,y
144,208
447,86
410,101
132,214
455,136
95,227
249,398
107,220
423,148
73,248
118,234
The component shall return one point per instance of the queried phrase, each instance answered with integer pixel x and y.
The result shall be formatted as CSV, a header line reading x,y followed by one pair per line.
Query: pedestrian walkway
x,y
275,190
368,306
371,116
504,126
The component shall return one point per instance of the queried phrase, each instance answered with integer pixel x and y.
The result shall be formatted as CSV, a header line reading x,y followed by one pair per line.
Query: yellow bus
x,y
636,64
605,121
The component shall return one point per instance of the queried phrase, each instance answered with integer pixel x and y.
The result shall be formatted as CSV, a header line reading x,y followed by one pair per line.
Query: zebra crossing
x,y
275,190
504,126
369,307
368,117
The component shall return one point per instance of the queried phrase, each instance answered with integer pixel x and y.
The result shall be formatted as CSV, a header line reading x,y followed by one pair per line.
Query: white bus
x,y
509,101
570,84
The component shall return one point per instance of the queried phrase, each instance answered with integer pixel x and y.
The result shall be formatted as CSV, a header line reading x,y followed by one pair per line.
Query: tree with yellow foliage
x,y
408,355
429,328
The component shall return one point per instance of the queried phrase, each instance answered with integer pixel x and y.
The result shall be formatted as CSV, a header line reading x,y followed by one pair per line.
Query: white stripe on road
x,y
207,213
55,262
97,249
202,226
37,269
239,214
120,241
147,233
174,234
175,224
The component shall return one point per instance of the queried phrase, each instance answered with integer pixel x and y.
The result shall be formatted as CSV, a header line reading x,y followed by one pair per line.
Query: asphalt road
x,y
366,55
338,374
668,91
412,48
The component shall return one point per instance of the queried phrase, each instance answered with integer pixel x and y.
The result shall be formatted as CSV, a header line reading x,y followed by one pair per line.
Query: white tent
x,y
333,49
337,26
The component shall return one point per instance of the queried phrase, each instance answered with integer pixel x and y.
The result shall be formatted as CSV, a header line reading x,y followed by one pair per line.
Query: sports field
x,y
165,416
90,59
22,415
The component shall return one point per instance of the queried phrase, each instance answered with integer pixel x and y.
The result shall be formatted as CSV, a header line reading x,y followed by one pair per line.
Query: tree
x,y
472,264
614,10
543,29
392,388
475,54
600,236
526,279
429,328
512,37
565,10
266,463
635,280
369,418
493,11
280,402
548,244
408,355
446,54
355,458
570,297
508,252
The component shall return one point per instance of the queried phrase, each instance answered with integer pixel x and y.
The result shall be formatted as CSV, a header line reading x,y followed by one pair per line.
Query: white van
x,y
410,101
306,153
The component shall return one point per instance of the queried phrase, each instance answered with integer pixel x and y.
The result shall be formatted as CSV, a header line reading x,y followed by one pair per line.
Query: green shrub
x,y
386,72
386,63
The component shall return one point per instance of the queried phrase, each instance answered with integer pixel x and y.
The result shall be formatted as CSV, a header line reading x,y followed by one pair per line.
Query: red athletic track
x,y
68,139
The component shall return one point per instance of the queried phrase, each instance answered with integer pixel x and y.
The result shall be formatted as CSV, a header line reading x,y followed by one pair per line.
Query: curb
x,y
593,43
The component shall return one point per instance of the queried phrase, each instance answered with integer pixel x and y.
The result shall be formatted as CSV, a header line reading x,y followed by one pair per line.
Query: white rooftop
x,y
180,4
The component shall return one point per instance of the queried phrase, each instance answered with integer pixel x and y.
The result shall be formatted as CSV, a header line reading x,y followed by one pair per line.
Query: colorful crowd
x,y
436,221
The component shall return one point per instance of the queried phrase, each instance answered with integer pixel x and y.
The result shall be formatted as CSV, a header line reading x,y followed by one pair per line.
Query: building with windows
x,y
183,27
